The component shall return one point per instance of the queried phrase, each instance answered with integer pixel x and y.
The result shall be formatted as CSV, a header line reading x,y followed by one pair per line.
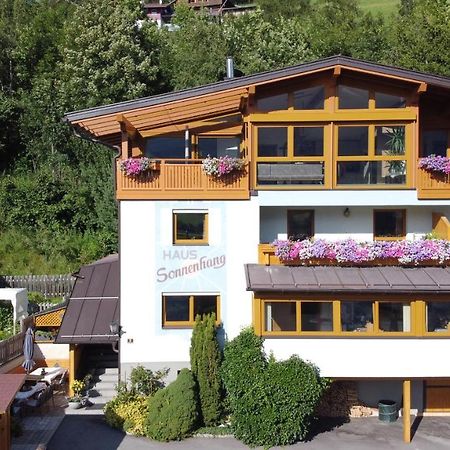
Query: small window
x,y
438,317
280,316
309,98
218,146
389,224
434,142
389,141
181,310
383,100
165,147
353,98
317,316
273,103
308,141
272,141
190,228
357,317
394,317
353,141
300,224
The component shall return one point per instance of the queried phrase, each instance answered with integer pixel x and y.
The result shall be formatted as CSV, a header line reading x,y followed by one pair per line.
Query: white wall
x,y
369,358
51,351
330,222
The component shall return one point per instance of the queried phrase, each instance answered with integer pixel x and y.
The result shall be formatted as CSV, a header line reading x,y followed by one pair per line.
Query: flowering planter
x,y
222,166
437,165
136,167
431,252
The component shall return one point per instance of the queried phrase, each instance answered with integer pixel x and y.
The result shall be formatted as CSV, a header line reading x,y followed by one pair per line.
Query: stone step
x,y
108,378
105,392
107,371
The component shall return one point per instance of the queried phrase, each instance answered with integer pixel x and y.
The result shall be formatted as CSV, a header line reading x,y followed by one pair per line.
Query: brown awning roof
x,y
93,305
9,385
386,279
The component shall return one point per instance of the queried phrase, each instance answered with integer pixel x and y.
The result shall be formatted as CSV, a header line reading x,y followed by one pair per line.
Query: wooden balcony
x,y
432,185
182,180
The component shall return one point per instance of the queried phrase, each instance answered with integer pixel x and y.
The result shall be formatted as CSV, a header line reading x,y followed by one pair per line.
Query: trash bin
x,y
387,411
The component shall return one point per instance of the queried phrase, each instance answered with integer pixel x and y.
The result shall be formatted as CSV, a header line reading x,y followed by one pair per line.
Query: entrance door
x,y
437,395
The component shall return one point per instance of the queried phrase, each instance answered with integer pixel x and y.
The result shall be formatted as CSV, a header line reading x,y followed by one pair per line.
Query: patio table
x,y
50,373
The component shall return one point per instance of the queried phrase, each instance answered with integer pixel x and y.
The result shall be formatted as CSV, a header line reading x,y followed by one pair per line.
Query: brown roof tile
x,y
9,385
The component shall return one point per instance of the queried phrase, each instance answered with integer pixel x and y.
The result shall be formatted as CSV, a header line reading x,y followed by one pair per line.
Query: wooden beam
x,y
124,122
4,431
406,411
422,88
337,71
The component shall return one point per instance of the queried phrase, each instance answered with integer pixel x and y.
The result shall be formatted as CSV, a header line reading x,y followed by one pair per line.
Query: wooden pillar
x,y
406,411
5,434
72,350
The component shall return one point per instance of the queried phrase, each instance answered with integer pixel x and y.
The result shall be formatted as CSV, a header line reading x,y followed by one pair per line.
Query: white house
x,y
331,152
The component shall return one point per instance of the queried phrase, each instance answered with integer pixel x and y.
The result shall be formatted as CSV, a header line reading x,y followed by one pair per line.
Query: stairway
x,y
104,389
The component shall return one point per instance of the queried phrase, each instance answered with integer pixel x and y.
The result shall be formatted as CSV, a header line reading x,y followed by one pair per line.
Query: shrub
x,y
173,411
205,364
272,403
145,382
128,415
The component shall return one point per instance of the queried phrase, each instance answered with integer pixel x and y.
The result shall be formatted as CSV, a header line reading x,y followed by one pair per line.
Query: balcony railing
x,y
182,180
432,185
11,348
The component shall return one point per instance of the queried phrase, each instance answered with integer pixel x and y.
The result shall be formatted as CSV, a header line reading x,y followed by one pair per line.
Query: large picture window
x,y
181,310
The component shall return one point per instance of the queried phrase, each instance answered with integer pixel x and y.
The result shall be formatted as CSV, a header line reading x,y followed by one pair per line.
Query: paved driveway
x,y
90,432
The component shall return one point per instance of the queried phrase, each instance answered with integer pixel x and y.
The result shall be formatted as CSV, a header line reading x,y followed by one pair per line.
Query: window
x,y
308,141
394,317
309,98
181,310
272,141
352,98
357,316
382,145
316,316
165,147
438,317
273,103
300,224
349,317
190,228
389,224
435,142
383,100
218,146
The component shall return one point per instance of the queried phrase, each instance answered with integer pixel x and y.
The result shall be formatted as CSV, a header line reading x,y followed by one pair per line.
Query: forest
x,y
57,207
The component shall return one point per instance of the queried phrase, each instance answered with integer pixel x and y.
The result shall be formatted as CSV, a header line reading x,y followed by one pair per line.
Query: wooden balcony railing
x,y
432,185
182,180
11,348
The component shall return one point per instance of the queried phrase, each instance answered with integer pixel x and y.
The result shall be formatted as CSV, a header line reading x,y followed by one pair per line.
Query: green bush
x,y
205,364
129,416
173,411
272,403
145,382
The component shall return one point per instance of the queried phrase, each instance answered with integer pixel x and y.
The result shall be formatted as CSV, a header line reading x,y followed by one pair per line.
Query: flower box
x,y
224,165
439,165
134,167
426,252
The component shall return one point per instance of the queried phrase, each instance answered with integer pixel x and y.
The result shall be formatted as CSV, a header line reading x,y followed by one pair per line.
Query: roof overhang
x,y
348,280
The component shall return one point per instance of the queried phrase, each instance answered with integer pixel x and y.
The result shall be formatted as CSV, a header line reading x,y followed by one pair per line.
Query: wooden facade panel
x,y
432,186
437,395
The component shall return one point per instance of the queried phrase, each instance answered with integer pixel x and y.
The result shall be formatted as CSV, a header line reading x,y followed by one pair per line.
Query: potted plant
x,y
133,167
75,402
435,164
221,166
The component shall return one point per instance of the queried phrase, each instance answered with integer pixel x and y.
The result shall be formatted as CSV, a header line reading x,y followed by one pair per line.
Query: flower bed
x,y
433,163
135,166
320,251
218,167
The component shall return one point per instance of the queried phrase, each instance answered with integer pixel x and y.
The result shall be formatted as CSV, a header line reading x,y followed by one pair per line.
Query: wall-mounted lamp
x,y
346,212
116,329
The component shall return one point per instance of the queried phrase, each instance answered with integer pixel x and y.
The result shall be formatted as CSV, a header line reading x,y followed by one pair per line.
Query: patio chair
x,y
59,383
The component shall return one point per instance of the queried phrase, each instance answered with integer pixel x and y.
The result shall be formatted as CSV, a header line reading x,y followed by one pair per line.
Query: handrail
x,y
11,348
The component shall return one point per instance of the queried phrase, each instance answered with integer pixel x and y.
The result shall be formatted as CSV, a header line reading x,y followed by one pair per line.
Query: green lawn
x,y
386,7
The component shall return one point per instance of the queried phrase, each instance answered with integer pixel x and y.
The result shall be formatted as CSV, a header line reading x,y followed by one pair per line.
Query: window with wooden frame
x,y
190,228
338,317
437,317
180,310
389,224
218,146
435,142
165,147
300,224
371,154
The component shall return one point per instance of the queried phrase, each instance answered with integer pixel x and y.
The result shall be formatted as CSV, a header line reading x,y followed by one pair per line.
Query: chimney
x,y
230,68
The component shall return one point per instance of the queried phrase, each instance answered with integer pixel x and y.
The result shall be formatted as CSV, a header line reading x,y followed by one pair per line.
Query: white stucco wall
x,y
330,222
369,358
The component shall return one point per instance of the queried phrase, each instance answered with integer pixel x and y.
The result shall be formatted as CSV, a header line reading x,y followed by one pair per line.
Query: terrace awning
x,y
93,305
331,279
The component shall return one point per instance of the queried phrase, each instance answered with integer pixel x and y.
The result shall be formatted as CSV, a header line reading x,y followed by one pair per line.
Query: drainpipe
x,y
230,68
187,146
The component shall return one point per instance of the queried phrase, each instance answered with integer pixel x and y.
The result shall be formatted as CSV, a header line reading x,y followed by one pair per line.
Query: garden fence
x,y
49,286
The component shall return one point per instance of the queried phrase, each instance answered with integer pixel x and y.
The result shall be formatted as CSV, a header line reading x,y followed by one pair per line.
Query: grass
x,y
385,7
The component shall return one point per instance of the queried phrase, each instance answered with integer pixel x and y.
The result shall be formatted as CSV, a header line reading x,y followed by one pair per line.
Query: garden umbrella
x,y
28,347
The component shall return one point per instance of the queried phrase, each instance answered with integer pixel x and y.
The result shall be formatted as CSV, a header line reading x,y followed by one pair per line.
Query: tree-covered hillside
x,y
57,207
